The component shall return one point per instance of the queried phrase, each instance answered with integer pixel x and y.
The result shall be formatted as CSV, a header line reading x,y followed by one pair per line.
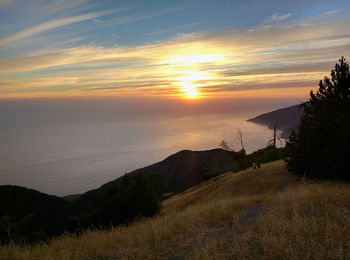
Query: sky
x,y
181,49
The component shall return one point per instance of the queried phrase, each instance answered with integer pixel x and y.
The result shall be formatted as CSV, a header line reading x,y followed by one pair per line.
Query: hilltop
x,y
269,214
178,171
286,119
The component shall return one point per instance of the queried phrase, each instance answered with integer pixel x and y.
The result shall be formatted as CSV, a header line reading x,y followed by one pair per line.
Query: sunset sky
x,y
189,49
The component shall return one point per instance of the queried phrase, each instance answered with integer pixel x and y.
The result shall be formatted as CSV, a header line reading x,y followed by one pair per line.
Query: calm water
x,y
70,147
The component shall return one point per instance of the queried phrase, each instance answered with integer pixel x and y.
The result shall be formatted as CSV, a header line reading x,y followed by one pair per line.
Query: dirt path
x,y
250,216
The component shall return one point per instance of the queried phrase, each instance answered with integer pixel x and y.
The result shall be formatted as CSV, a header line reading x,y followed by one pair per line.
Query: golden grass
x,y
243,184
309,221
304,221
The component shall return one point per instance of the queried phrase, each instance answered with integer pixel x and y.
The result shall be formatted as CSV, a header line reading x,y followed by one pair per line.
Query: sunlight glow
x,y
190,90
191,83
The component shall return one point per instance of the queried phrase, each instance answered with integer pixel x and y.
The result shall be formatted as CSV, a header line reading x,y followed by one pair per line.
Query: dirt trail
x,y
250,216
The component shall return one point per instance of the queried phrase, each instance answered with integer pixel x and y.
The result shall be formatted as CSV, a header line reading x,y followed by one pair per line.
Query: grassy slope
x,y
288,219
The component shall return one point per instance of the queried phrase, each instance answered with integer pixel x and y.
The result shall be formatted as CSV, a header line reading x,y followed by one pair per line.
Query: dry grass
x,y
229,185
309,221
305,221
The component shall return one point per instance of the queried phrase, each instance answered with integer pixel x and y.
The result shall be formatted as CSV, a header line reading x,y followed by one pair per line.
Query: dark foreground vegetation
x,y
320,149
125,201
28,216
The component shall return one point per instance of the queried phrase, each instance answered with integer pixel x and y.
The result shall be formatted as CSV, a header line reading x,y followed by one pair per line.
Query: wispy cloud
x,y
276,17
331,12
60,5
51,25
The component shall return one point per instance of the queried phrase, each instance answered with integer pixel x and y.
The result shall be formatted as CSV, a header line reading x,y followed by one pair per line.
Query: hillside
x,y
286,119
269,215
187,168
29,214
177,172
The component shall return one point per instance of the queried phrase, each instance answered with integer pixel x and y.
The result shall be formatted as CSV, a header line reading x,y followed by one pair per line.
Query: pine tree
x,y
321,148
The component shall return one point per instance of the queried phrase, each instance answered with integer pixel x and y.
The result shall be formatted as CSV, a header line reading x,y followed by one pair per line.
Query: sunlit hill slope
x,y
265,214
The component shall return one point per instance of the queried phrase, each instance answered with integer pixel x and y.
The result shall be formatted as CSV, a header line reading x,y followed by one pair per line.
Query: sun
x,y
191,83
189,89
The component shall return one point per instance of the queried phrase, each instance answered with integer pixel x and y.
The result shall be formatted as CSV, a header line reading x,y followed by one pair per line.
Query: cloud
x,y
331,12
276,17
51,25
60,5
279,56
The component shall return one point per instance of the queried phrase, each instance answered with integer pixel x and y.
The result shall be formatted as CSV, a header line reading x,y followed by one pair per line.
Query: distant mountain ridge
x,y
286,119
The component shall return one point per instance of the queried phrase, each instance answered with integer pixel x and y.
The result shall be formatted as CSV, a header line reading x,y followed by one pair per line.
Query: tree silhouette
x,y
275,137
321,147
239,137
229,147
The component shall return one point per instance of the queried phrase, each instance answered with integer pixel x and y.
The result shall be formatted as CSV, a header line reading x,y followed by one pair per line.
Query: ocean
x,y
64,147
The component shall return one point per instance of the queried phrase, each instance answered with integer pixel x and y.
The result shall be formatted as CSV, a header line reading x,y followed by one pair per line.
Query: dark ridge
x,y
286,119
71,197
177,172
